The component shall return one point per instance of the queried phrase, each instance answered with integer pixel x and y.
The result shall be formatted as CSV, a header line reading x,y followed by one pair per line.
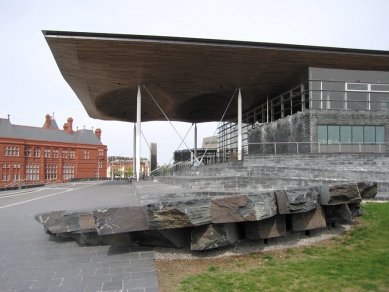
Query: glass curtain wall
x,y
317,88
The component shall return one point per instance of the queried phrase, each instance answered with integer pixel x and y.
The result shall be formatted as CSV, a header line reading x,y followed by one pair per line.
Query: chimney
x,y
47,124
98,133
65,126
70,126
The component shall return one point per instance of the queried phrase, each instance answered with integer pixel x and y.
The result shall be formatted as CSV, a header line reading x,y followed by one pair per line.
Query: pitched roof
x,y
7,130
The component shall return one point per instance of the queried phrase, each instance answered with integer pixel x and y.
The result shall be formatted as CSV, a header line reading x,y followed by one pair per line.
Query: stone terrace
x,y
271,172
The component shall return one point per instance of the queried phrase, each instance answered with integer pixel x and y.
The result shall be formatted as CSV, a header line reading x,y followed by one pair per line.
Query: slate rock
x,y
356,209
88,238
297,200
215,235
339,194
176,238
367,189
338,214
268,228
67,221
308,220
179,214
112,220
239,208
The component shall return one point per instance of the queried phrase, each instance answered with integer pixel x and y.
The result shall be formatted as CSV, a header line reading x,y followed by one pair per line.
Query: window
x,y
11,151
55,153
100,164
68,171
350,134
5,177
27,152
51,171
32,171
16,165
37,152
16,176
47,152
64,154
72,154
86,154
101,152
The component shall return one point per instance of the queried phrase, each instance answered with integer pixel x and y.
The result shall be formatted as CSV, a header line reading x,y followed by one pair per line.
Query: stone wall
x,y
294,128
302,127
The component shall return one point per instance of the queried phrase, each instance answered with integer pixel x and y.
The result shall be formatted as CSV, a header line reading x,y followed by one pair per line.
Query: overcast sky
x,y
32,86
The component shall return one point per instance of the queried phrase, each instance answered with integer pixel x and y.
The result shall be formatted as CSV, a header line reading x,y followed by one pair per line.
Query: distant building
x,y
153,156
210,145
48,154
122,167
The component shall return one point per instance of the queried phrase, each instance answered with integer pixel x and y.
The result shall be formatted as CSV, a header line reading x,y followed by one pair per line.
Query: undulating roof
x,y
7,130
191,79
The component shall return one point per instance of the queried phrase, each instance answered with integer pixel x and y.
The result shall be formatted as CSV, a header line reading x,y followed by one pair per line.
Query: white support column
x,y
138,121
195,141
134,153
239,125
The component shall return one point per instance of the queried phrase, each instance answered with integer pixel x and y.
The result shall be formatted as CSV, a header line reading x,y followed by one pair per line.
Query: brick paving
x,y
31,260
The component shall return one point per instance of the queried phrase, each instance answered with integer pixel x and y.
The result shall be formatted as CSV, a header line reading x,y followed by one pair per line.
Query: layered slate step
x,y
206,220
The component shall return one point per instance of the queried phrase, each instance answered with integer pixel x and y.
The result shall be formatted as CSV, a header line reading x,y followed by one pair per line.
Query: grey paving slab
x,y
31,260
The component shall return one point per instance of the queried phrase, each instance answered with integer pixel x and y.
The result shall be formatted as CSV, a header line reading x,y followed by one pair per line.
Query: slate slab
x,y
309,220
339,194
268,228
297,200
111,220
215,235
239,208
178,214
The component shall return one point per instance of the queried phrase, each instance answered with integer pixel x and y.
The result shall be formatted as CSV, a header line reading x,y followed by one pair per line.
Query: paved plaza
x,y
31,260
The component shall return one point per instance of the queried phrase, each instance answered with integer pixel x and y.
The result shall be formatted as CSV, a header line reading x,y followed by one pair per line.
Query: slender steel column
x,y
195,140
138,121
239,125
134,153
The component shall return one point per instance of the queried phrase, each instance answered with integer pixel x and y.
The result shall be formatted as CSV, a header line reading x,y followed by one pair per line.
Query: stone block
x,y
66,221
339,194
297,200
239,208
309,220
215,235
176,238
88,238
367,189
268,228
179,214
111,220
338,214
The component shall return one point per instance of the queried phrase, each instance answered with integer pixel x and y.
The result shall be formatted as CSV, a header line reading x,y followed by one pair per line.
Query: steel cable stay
x,y
202,157
182,140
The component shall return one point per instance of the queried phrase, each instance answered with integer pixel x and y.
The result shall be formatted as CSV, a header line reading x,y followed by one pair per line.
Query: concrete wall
x,y
302,127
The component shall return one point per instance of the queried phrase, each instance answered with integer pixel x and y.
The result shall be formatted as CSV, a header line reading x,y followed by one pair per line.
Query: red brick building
x,y
49,154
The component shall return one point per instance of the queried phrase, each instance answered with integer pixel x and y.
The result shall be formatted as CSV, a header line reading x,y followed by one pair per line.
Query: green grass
x,y
358,261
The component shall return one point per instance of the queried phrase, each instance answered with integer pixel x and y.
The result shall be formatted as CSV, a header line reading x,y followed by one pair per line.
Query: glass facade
x,y
350,134
318,88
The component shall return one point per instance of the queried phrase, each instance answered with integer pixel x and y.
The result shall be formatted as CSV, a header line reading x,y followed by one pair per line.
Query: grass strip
x,y
358,261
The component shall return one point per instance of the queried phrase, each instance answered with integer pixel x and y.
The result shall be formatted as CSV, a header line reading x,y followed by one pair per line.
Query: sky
x,y
32,85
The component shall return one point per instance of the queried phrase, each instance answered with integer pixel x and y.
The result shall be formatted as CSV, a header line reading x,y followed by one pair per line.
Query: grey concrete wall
x,y
302,127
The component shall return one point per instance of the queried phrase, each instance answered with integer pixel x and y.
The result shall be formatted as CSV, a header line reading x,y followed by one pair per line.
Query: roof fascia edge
x,y
208,42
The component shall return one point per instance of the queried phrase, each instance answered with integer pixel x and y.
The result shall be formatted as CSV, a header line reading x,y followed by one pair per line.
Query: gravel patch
x,y
292,239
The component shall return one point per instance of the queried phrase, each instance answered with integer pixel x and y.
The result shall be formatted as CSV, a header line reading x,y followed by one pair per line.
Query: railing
x,y
316,147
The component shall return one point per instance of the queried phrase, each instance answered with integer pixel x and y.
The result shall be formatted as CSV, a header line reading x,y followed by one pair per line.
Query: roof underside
x,y
192,80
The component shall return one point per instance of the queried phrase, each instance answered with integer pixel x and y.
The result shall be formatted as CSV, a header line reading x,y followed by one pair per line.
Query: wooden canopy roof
x,y
191,79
